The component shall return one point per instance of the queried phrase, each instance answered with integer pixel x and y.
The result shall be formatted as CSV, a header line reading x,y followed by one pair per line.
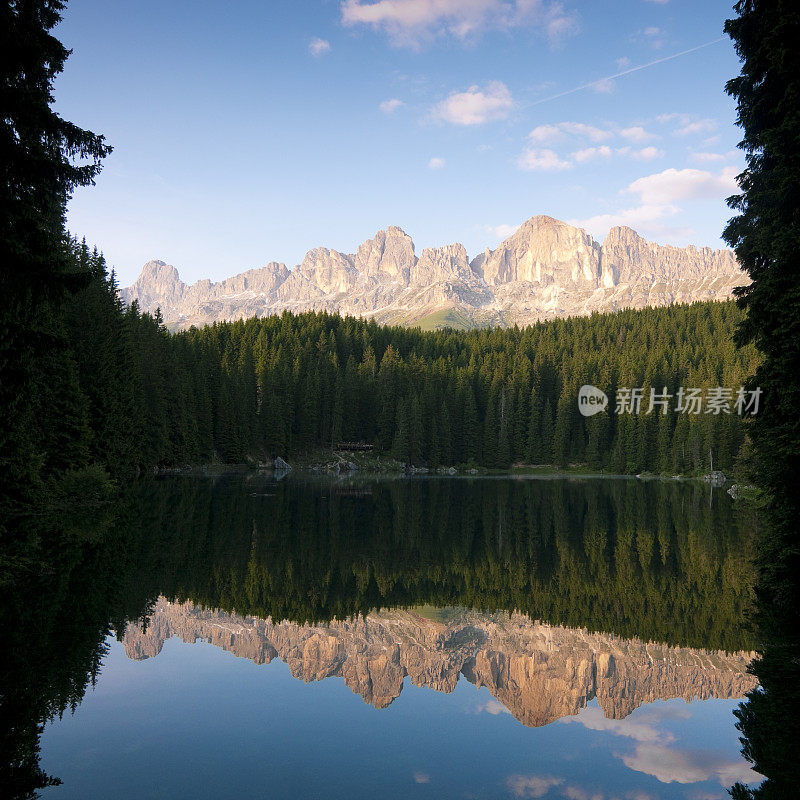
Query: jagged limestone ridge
x,y
545,269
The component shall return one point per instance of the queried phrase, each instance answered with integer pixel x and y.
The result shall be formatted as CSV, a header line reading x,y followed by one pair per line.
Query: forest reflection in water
x,y
376,580
644,559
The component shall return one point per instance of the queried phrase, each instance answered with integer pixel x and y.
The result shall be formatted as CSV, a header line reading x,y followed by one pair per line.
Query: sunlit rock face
x,y
545,269
641,273
545,251
390,254
540,673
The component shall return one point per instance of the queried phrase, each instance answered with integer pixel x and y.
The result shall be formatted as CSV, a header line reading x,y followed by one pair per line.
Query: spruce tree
x,y
547,434
766,237
43,158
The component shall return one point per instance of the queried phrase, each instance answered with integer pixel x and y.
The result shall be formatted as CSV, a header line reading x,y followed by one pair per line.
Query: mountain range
x,y
538,672
545,269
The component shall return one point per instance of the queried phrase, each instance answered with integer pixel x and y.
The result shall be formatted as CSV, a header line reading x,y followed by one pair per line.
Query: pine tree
x,y
44,158
401,447
766,237
534,441
491,429
548,434
470,442
445,436
561,433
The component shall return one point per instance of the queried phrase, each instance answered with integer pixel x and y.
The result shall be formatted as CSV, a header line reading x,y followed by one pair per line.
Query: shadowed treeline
x,y
765,234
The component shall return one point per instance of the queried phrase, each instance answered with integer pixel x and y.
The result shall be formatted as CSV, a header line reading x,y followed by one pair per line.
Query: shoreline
x,y
319,470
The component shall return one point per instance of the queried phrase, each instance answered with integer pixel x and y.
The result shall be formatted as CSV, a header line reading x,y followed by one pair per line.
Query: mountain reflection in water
x,y
540,673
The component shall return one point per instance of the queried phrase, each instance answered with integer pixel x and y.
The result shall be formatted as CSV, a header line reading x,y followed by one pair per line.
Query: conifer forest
x,y
129,395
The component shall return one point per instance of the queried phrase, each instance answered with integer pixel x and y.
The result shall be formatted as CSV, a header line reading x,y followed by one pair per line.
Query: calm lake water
x,y
394,638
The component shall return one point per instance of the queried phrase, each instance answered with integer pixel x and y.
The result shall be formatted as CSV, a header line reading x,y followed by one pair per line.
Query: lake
x,y
433,637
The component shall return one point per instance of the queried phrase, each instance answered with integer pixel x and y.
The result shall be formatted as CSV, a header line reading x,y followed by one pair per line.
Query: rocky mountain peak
x,y
159,273
545,250
436,264
546,268
158,285
623,233
389,253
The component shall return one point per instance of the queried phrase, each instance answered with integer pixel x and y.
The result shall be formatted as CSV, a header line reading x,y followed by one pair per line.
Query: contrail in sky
x,y
626,72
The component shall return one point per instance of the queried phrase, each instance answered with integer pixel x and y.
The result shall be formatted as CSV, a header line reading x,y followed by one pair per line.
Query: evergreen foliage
x,y
42,159
125,393
766,237
289,384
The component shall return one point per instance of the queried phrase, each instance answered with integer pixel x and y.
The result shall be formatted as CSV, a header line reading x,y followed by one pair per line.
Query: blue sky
x,y
251,132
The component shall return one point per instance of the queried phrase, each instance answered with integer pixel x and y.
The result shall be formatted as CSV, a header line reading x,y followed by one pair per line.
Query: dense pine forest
x,y
123,393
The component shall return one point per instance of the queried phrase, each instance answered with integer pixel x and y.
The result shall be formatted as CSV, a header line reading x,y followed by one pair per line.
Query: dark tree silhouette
x,y
766,237
42,159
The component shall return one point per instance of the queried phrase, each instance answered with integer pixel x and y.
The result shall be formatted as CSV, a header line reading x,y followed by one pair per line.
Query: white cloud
x,y
542,160
495,707
654,37
656,755
647,153
673,116
592,153
499,232
710,158
588,131
635,134
687,124
532,785
390,106
623,62
707,158
643,154
476,105
698,126
319,47
549,160
640,218
578,793
673,185
550,133
603,86
545,133
422,777
412,22
659,195
640,730
436,163
672,765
